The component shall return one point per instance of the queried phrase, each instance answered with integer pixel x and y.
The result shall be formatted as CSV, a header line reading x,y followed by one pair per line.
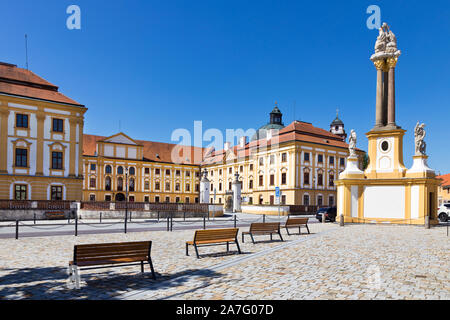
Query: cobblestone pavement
x,y
351,262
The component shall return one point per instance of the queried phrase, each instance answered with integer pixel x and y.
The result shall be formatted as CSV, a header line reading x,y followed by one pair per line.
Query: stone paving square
x,y
351,262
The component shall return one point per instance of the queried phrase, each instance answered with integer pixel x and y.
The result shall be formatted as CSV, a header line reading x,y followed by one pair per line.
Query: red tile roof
x,y
24,83
445,180
296,131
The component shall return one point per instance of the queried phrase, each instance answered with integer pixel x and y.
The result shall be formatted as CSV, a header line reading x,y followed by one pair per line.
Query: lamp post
x,y
126,198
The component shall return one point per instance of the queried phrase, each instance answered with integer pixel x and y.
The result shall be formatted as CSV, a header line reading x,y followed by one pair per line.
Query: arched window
x,y
131,188
108,183
120,184
319,200
306,200
108,169
119,170
331,201
132,171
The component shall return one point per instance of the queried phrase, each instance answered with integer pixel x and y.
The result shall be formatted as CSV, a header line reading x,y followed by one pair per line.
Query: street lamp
x,y
126,198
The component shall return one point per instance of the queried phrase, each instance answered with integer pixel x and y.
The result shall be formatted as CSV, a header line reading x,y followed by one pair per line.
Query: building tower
x,y
275,123
337,127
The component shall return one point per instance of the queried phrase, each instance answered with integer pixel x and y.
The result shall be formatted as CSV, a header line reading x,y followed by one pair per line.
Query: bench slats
x,y
215,234
296,221
111,249
264,227
96,253
211,241
110,261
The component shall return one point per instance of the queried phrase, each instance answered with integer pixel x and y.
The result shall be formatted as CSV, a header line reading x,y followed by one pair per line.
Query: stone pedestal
x,y
352,169
420,168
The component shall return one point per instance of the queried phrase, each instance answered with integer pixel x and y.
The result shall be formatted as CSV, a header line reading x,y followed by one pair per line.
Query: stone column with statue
x,y
352,168
236,188
205,186
387,192
385,59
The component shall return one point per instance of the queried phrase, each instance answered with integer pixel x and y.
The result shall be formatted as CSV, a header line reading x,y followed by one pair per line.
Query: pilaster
x,y
4,114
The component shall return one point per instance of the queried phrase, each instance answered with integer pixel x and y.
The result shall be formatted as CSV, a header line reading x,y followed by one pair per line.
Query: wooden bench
x,y
55,215
296,223
95,256
213,237
263,228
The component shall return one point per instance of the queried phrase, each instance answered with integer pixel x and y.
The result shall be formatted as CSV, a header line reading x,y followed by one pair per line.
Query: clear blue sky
x,y
160,65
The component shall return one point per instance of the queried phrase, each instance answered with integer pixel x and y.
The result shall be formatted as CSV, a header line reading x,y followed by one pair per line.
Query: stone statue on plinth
x,y
205,185
236,187
352,143
386,44
380,44
419,136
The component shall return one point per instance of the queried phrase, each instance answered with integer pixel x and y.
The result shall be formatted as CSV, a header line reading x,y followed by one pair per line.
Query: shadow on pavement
x,y
51,283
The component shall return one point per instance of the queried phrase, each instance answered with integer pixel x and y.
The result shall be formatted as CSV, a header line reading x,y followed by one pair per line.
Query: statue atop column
x,y
205,185
352,143
386,44
204,175
385,59
419,136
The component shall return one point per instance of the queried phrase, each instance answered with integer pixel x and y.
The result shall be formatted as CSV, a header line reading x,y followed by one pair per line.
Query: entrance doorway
x,y
120,197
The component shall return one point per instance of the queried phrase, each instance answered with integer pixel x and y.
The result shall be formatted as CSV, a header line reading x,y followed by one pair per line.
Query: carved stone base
x,y
420,168
352,170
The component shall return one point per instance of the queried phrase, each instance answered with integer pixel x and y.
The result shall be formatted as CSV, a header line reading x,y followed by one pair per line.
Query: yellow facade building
x,y
300,159
149,171
444,189
41,139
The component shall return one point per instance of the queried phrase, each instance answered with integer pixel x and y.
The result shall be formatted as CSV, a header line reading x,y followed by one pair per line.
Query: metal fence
x,y
145,206
123,224
34,204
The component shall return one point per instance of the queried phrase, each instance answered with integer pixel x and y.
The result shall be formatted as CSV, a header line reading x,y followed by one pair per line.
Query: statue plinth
x,y
352,170
420,168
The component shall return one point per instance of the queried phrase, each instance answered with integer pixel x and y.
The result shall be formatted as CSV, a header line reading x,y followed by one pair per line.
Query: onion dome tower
x,y
275,122
337,127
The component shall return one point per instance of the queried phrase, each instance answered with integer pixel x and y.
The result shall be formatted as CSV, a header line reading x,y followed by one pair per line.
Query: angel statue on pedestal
x,y
352,143
419,136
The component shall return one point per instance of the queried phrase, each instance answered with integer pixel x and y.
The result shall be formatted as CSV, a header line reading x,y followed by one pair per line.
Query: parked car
x,y
329,212
444,212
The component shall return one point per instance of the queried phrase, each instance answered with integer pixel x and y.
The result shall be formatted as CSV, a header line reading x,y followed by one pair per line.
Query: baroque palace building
x,y
41,141
149,171
300,159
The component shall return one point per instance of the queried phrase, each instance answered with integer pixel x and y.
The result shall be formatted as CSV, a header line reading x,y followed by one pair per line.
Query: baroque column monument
x,y
386,191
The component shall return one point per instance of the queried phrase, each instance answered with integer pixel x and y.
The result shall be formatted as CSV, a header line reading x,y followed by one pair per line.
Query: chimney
x,y
226,146
243,141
